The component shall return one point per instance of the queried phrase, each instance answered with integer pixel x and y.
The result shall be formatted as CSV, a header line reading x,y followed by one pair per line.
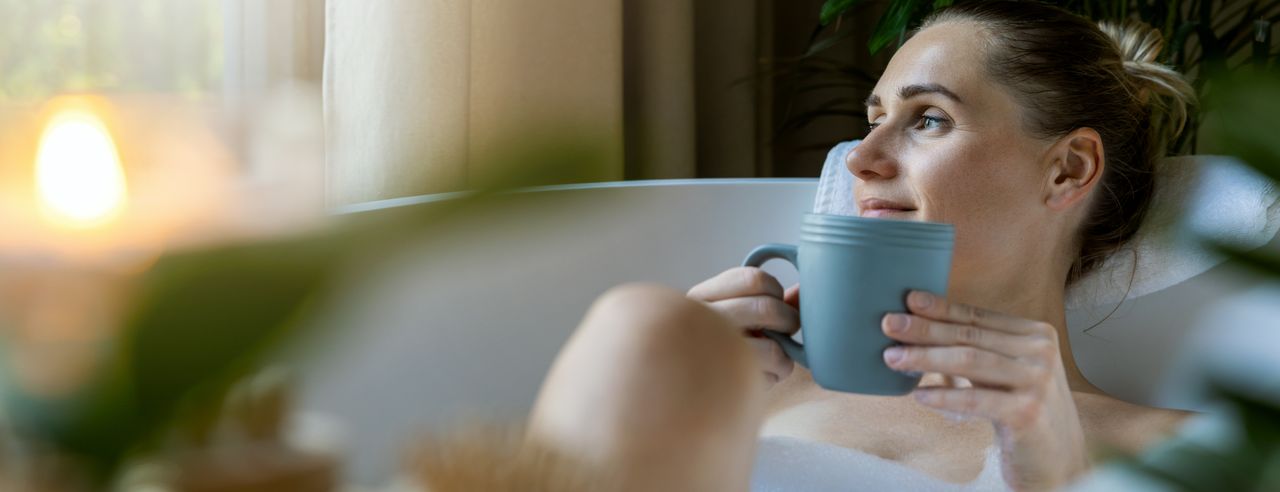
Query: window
x,y
192,48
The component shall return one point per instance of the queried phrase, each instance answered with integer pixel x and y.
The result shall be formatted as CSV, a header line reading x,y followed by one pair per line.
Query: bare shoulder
x,y
1124,426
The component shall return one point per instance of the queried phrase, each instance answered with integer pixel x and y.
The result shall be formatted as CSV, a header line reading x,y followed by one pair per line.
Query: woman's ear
x,y
1075,168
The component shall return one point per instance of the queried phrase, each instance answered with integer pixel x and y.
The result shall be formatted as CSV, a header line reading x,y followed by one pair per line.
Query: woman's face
x,y
948,145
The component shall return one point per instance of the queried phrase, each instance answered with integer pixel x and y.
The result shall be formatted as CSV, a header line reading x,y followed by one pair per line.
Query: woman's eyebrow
x,y
910,91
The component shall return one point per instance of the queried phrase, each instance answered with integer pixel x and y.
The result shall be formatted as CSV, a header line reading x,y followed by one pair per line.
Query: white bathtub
x,y
465,325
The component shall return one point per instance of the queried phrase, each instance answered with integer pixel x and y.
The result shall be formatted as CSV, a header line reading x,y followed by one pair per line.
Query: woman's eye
x,y
927,122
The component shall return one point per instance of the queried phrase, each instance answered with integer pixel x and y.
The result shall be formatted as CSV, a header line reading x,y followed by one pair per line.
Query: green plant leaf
x,y
1179,42
893,23
1244,112
834,8
1186,467
201,320
1172,10
1255,259
826,43
1247,464
1258,411
1147,13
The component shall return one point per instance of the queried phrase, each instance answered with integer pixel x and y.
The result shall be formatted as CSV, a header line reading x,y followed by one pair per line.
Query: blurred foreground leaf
x,y
1251,464
1258,259
203,319
1243,117
1244,114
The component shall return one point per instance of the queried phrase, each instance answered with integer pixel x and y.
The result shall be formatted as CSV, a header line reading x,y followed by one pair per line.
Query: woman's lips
x,y
885,212
880,207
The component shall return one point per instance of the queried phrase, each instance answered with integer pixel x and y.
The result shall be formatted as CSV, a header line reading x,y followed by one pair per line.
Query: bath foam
x,y
785,464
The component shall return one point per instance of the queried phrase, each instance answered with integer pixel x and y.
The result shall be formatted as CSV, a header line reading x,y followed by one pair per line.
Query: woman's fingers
x,y
759,312
750,298
753,300
982,367
736,282
792,296
1017,410
919,330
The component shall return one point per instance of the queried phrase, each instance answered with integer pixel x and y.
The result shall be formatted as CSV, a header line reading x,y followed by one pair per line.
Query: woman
x,y
1030,129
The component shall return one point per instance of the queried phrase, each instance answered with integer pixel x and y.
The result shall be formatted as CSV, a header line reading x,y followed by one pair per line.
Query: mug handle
x,y
790,253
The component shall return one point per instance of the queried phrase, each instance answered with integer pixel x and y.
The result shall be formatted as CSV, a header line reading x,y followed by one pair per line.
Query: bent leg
x,y
658,388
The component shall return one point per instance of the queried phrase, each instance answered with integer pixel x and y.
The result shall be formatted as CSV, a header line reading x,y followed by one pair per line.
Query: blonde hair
x,y
1067,73
1159,86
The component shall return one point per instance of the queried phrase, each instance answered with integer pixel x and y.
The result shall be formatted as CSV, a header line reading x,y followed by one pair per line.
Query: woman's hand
x,y
753,301
1019,383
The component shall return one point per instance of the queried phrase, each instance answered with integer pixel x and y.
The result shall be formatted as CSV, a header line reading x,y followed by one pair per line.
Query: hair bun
x,y
1162,89
1138,42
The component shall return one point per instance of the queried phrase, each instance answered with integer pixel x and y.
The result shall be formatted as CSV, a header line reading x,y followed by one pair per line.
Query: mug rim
x,y
908,226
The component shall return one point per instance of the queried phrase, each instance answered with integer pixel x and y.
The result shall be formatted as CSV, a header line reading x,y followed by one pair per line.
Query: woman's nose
x,y
869,160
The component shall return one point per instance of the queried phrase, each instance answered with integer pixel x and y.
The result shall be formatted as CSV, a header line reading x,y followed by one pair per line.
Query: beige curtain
x,y
266,44
659,89
693,105
732,44
414,89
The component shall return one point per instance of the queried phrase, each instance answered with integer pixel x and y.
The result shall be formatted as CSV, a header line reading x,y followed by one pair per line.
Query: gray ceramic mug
x,y
853,271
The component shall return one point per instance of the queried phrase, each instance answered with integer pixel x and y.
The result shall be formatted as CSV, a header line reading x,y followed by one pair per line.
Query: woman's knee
x,y
648,343
649,325
649,371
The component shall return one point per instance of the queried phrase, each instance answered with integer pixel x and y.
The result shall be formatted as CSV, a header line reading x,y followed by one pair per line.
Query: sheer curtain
x,y
55,46
207,49
415,89
268,43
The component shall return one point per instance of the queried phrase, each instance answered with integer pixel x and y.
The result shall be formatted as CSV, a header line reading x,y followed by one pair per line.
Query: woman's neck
x,y
1058,318
1033,299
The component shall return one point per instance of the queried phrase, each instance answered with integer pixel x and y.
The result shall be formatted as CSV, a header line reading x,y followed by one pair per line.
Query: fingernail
x,y
896,323
893,355
920,300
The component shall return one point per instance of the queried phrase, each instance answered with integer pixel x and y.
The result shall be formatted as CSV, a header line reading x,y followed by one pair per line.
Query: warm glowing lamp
x,y
65,264
79,180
